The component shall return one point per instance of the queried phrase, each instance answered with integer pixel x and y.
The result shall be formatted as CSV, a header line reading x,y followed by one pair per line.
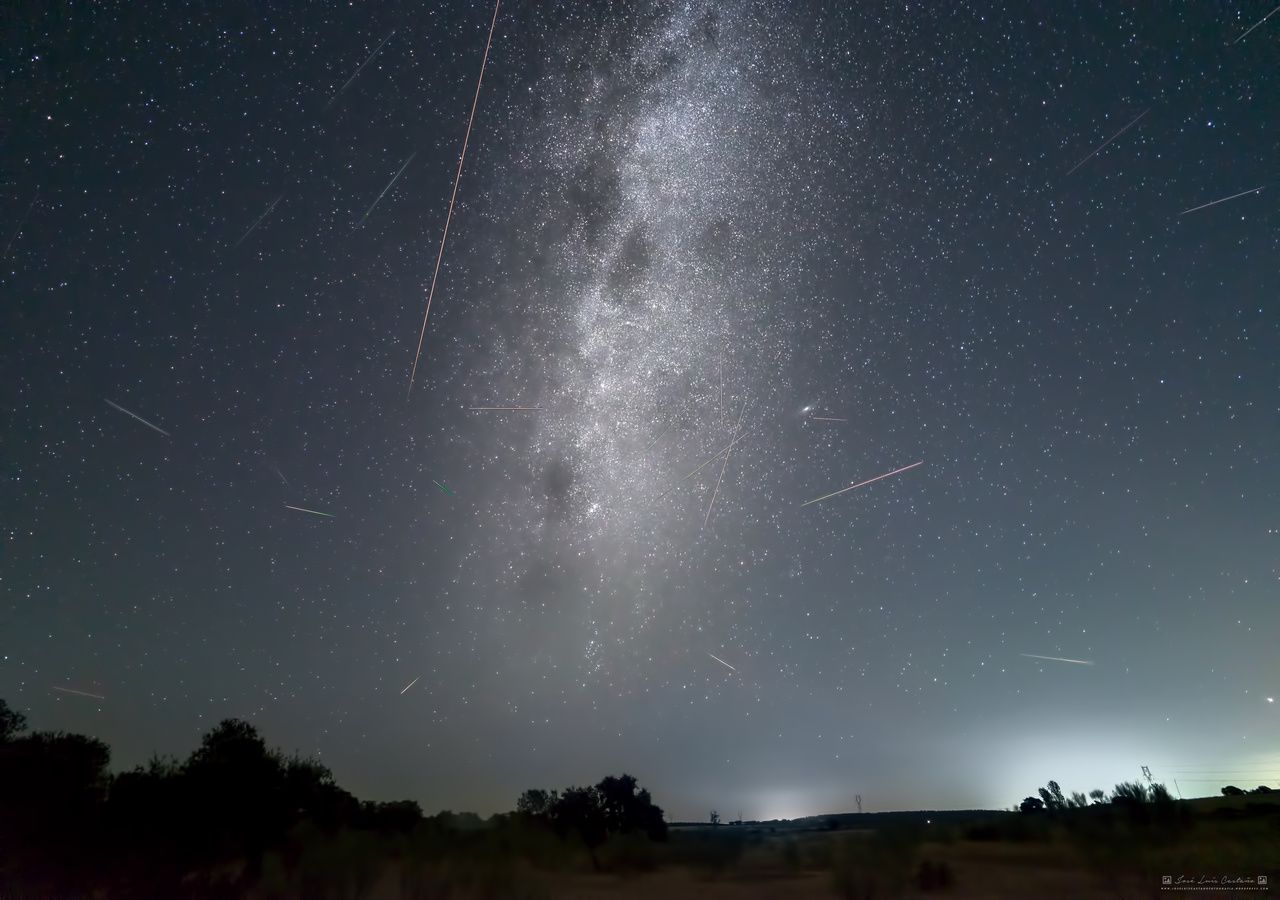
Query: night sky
x,y
837,239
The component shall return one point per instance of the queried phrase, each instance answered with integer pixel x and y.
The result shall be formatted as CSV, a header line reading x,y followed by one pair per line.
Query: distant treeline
x,y
67,825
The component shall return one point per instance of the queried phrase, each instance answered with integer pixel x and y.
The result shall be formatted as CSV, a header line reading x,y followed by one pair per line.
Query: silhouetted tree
x,y
1261,789
1098,796
1032,805
1231,791
715,817
52,788
579,811
1052,797
616,805
12,723
1129,793
537,802
1077,800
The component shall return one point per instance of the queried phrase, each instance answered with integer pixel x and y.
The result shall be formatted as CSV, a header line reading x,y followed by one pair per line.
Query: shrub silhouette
x,y
1231,791
12,723
615,806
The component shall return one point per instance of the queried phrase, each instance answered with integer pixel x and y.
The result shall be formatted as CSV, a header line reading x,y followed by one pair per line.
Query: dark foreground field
x,y
1102,853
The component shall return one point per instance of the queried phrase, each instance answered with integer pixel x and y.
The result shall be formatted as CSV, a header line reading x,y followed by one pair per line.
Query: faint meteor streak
x,y
1104,144
78,693
17,231
1222,200
409,685
449,216
728,452
313,512
719,660
501,408
257,222
827,419
394,179
659,437
718,454
150,425
443,488
1256,24
862,483
1078,662
338,92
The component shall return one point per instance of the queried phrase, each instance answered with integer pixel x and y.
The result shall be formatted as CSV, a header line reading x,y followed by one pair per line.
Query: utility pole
x,y
1146,772
859,801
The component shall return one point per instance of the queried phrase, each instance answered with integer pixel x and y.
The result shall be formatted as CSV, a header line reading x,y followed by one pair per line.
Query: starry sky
x,y
732,256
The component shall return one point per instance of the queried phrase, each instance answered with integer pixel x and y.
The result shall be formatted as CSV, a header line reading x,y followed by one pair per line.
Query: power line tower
x,y
1146,773
858,798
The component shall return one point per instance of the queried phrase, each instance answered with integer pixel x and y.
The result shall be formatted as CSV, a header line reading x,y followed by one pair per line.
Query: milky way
x,y
708,262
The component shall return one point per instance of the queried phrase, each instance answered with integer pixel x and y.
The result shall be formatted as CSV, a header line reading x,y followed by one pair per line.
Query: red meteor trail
x,y
861,483
449,217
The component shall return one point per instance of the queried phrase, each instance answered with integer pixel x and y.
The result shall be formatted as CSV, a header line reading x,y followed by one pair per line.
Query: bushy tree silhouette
x,y
1231,791
1032,805
12,723
617,805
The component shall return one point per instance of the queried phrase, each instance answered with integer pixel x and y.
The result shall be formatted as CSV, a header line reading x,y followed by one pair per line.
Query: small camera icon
x,y
1166,879
1262,879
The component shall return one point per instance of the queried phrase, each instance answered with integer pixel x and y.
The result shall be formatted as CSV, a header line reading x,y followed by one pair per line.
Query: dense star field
x,y
727,258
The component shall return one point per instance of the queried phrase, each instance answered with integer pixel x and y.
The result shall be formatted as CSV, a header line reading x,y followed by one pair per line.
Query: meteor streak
x,y
312,511
150,425
1103,145
827,419
78,693
861,483
727,453
1222,200
443,488
449,216
501,408
257,222
1256,24
719,660
1078,662
17,231
410,684
338,93
385,189
718,454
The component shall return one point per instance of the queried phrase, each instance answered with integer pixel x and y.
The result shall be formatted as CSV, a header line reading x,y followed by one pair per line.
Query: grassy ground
x,y
1104,854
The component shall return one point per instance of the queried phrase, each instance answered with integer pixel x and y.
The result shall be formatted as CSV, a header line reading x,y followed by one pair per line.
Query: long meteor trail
x,y
718,454
1256,24
1104,144
1078,662
1222,200
862,483
257,222
338,92
150,425
385,189
77,693
314,512
449,217
719,660
724,465
409,685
